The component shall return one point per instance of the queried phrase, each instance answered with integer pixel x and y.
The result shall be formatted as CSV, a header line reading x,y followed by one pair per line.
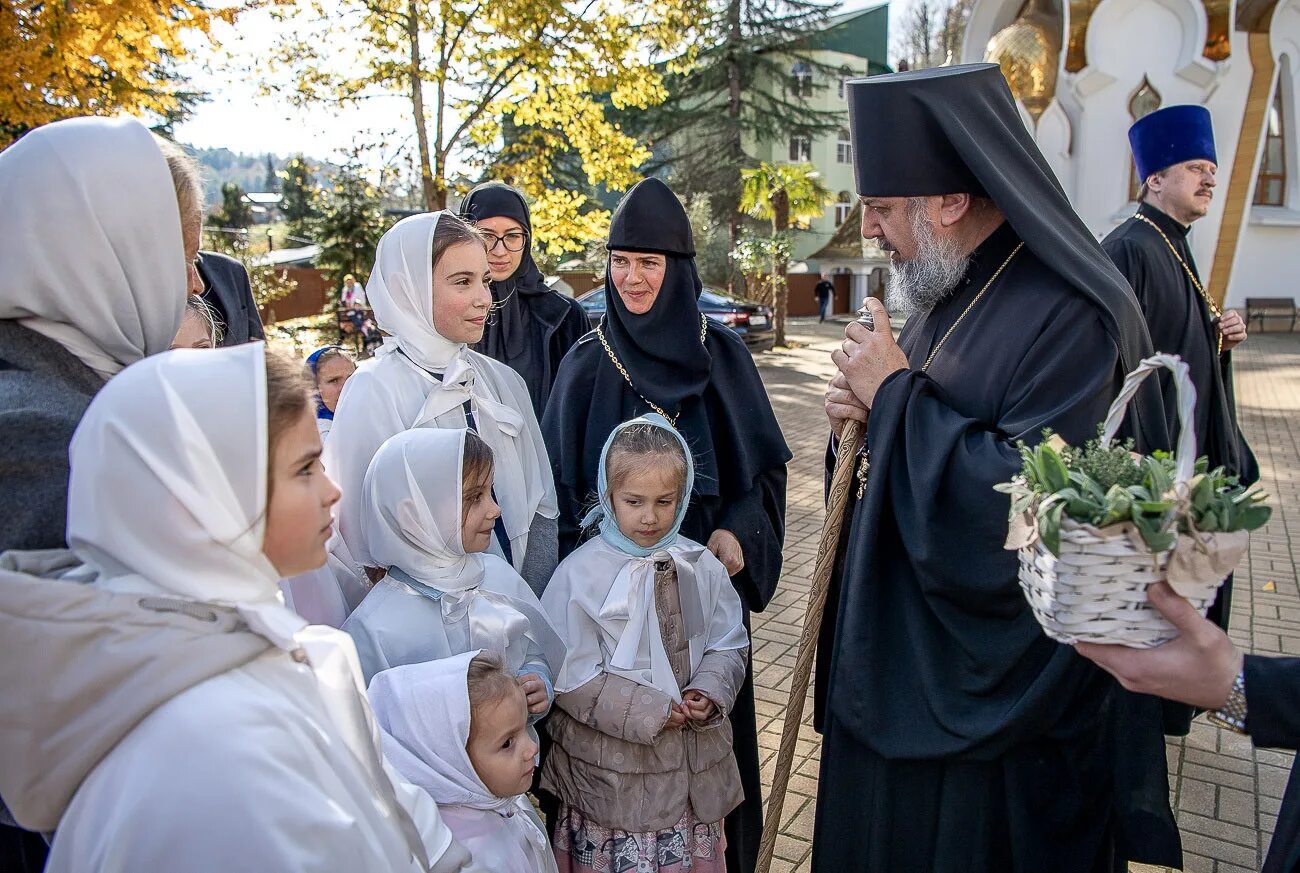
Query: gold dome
x,y
1029,52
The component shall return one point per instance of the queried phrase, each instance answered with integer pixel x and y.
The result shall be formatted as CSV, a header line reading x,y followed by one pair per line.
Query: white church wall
x,y
1268,255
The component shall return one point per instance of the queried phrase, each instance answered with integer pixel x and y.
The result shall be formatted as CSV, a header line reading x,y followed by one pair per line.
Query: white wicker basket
x,y
1096,590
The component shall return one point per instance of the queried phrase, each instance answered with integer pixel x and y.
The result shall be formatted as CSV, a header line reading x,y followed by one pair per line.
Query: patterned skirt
x,y
582,846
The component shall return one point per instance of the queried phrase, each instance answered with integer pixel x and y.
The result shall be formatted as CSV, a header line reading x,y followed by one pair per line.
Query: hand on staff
x,y
698,707
1198,667
842,404
1232,329
726,548
676,717
534,692
867,357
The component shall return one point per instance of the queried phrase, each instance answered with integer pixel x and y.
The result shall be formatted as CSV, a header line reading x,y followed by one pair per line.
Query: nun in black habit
x,y
531,327
698,374
957,736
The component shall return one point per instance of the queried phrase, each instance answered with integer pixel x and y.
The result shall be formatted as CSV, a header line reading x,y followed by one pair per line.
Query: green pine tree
x,y
349,224
740,89
235,211
299,195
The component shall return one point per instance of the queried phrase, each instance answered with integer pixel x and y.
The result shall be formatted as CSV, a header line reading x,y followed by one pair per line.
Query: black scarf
x,y
509,332
661,350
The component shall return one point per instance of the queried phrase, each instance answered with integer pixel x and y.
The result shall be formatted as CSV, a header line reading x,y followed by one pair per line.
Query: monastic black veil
x,y
957,736
722,409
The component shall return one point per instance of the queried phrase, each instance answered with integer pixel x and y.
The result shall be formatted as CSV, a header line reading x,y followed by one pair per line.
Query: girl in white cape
x,y
163,709
429,292
428,515
642,759
457,729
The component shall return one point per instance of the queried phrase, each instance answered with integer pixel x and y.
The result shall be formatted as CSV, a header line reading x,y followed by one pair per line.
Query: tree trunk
x,y
735,36
780,290
417,105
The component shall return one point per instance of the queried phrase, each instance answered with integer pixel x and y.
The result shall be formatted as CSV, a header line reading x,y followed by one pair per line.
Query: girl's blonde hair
x,y
288,397
642,447
488,681
452,230
477,461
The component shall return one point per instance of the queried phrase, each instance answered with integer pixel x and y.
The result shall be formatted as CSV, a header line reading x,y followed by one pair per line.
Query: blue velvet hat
x,y
1170,136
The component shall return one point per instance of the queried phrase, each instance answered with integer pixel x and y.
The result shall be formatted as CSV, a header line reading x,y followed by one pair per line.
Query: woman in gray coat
x,y
98,239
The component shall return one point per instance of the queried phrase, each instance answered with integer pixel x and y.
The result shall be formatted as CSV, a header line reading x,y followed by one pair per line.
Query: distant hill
x,y
247,171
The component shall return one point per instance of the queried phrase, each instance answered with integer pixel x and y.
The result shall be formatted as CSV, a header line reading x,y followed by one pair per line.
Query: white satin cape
x,y
420,379
424,712
411,516
276,765
601,602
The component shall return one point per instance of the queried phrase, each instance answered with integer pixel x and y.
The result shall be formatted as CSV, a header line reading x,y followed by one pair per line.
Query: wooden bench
x,y
1270,307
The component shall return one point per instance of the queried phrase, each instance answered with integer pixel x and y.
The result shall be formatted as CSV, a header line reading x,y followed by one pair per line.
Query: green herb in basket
x,y
1103,485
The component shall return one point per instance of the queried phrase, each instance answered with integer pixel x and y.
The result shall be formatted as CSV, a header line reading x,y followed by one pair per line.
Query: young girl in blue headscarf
x,y
331,367
656,651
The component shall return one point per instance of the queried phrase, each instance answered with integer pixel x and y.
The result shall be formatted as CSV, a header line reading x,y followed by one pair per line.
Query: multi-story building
x,y
850,45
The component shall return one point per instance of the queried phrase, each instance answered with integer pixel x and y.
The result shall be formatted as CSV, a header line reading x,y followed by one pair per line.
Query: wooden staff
x,y
841,479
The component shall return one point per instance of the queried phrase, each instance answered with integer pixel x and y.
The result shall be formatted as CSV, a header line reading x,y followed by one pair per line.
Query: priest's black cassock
x,y
957,736
713,390
532,327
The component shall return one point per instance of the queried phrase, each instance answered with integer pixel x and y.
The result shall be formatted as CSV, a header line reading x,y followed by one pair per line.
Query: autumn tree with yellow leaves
x,y
526,81
96,57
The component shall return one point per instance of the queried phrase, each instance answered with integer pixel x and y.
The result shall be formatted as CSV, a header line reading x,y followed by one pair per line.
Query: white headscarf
x,y
424,712
169,476
601,602
412,511
447,375
90,240
412,518
168,495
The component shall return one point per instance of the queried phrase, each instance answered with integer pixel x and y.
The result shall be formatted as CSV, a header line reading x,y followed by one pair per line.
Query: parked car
x,y
752,321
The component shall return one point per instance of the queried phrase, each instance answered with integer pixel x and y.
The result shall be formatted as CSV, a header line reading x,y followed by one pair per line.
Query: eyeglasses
x,y
514,241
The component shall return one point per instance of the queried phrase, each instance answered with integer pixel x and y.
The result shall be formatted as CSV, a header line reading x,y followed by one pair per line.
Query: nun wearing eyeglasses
x,y
532,327
429,294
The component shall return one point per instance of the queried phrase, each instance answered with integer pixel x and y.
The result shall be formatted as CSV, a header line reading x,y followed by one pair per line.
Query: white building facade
x,y
1084,70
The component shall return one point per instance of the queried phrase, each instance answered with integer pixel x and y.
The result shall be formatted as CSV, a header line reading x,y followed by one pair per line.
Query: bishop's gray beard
x,y
917,285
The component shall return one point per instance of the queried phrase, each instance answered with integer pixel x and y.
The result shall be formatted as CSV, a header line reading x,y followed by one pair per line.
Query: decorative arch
x,y
1191,64
1055,138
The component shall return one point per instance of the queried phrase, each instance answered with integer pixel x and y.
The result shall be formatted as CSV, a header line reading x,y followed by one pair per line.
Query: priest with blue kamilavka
x,y
1176,161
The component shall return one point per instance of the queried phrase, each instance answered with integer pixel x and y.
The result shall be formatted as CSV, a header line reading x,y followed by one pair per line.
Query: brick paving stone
x,y
1223,790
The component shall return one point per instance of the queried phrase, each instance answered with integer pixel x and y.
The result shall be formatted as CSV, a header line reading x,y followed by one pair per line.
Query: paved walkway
x,y
1226,793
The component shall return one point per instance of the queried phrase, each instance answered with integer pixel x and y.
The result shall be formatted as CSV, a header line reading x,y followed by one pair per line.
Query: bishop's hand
x,y
867,357
1232,329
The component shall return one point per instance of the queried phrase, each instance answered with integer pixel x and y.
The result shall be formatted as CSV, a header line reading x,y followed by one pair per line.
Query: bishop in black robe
x,y
531,327
699,373
957,736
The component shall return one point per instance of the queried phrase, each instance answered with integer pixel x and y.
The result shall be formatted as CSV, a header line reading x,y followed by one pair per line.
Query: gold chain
x,y
970,306
864,465
672,419
1196,283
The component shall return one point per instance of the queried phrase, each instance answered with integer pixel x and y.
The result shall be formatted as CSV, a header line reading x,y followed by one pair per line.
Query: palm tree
x,y
782,193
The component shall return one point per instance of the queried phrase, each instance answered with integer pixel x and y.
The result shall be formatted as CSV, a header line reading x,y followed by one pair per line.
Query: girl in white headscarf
x,y
642,760
429,293
164,710
99,224
456,728
428,516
